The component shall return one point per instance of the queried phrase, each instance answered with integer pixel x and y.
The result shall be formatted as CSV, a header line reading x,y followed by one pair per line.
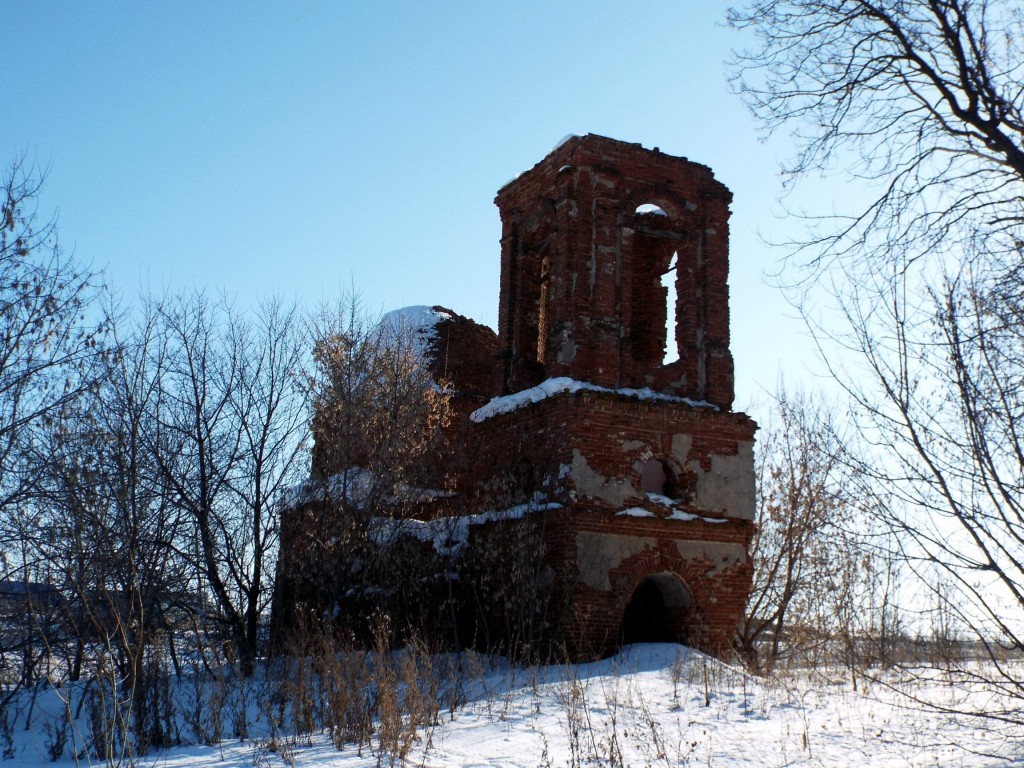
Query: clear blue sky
x,y
300,148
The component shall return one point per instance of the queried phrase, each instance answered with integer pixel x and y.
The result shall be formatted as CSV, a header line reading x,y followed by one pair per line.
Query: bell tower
x,y
614,269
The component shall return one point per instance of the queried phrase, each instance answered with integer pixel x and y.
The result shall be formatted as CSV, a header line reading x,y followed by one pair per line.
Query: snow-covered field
x,y
651,705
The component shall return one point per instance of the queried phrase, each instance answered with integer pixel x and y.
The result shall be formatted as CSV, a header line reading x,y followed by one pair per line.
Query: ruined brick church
x,y
600,489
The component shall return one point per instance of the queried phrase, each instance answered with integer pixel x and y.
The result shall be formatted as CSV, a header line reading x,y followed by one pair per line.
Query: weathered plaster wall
x,y
728,485
590,447
598,554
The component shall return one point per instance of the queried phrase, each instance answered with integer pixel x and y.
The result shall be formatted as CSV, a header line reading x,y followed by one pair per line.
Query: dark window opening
x,y
531,316
657,478
542,310
653,300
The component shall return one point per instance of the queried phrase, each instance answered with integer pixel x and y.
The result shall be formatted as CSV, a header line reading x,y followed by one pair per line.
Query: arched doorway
x,y
656,611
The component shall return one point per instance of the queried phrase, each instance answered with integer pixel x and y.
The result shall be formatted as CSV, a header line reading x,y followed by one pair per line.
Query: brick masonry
x,y
583,295
572,234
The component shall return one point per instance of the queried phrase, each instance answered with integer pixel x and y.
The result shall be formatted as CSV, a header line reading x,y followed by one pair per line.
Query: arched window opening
x,y
657,479
668,282
542,310
524,478
657,210
653,244
657,610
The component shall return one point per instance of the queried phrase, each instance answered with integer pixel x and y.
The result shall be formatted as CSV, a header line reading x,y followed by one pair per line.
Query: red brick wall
x,y
544,435
588,622
719,594
462,355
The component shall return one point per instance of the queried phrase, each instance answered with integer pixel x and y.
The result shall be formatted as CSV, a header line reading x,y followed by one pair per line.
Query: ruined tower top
x,y
614,269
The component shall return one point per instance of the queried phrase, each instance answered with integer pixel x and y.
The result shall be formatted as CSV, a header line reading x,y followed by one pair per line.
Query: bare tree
x,y
799,510
826,586
227,437
114,532
269,407
376,403
51,333
48,334
380,453
920,100
940,453
194,444
109,536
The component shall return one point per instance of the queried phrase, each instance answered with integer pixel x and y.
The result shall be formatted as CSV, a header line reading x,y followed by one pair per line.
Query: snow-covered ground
x,y
651,705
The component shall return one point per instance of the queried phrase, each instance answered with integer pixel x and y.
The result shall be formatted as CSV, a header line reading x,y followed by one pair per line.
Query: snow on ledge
x,y
677,514
687,517
664,501
556,386
449,535
636,512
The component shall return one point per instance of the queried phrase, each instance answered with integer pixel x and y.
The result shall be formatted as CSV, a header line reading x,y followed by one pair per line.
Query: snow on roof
x,y
449,535
565,139
556,386
418,322
354,486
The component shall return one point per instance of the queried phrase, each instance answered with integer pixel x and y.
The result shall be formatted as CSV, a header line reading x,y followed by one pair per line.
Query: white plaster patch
x,y
729,485
597,554
723,555
681,445
591,483
567,352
